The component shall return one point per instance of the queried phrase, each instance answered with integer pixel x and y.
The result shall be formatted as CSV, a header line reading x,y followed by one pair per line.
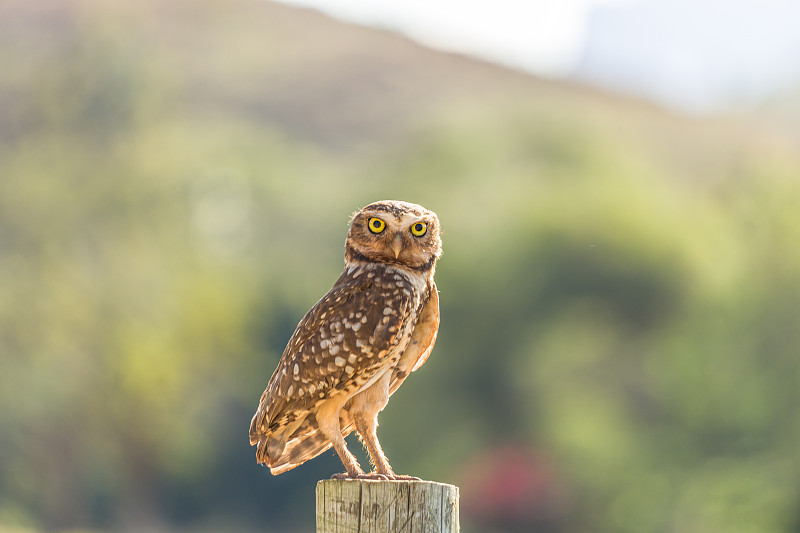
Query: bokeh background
x,y
620,287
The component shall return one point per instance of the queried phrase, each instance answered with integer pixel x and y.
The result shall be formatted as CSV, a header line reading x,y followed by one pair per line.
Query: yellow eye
x,y
376,225
419,229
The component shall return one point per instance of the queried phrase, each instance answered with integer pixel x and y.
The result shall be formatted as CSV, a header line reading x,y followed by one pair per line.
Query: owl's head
x,y
394,232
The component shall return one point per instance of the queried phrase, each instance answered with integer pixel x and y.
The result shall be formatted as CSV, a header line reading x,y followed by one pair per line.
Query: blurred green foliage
x,y
619,291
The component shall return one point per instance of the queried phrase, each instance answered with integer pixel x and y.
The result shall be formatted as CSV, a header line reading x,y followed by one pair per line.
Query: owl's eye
x,y
419,229
376,225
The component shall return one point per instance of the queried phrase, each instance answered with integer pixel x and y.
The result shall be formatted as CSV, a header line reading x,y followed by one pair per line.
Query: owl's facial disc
x,y
395,233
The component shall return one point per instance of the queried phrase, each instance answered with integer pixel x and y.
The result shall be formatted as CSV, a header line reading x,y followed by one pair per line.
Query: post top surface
x,y
379,481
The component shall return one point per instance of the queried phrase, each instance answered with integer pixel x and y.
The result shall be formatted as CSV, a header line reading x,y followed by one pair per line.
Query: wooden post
x,y
367,506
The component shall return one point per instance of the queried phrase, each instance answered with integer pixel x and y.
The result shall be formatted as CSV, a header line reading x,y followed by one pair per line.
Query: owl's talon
x,y
376,476
345,475
402,477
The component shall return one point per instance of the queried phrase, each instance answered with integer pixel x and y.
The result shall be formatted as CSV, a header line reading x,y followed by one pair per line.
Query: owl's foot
x,y
376,476
370,475
347,475
401,477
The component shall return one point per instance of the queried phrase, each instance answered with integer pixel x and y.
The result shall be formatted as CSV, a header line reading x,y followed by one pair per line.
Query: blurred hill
x,y
292,69
619,286
782,113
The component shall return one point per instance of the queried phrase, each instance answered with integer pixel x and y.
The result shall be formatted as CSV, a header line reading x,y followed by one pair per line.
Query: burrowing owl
x,y
357,345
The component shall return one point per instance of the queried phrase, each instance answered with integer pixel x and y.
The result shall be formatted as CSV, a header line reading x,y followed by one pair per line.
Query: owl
x,y
356,346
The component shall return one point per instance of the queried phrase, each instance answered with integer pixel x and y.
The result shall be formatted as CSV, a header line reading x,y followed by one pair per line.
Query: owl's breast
x,y
352,336
412,289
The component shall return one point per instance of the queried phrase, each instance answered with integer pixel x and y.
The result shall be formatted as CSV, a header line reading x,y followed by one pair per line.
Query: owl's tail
x,y
270,443
299,450
306,443
282,447
285,448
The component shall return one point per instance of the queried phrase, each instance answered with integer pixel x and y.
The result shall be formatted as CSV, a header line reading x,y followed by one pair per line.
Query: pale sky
x,y
537,35
694,55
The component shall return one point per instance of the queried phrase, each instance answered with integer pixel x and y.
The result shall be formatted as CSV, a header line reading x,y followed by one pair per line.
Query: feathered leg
x,y
328,420
367,429
365,407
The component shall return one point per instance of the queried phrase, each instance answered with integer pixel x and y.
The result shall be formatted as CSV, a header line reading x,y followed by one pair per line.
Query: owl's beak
x,y
397,245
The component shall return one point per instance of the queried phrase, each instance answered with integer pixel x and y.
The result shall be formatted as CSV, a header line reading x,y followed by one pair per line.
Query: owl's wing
x,y
422,340
338,346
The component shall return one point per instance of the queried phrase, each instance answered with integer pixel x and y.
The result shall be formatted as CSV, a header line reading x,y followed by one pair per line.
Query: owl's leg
x,y
365,407
328,421
367,427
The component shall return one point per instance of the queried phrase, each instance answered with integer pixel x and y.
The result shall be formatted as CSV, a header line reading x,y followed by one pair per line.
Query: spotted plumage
x,y
357,345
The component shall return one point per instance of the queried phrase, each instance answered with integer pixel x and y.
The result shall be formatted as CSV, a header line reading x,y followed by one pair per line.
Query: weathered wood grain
x,y
367,506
